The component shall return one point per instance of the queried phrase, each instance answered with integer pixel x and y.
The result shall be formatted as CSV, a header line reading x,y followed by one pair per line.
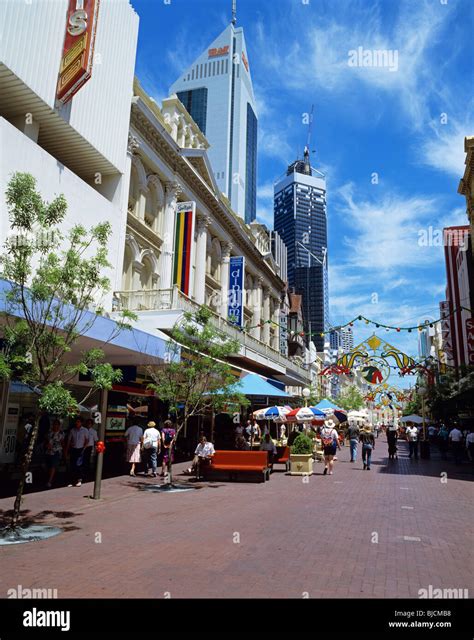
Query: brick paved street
x,y
294,537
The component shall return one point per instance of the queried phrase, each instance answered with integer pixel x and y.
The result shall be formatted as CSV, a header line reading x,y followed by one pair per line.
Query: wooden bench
x,y
283,457
234,462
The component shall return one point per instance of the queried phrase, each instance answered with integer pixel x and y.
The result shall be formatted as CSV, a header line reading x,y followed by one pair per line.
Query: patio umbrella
x,y
330,409
412,418
302,414
271,413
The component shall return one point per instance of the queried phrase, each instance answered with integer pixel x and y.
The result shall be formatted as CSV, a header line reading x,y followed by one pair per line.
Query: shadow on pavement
x,y
27,518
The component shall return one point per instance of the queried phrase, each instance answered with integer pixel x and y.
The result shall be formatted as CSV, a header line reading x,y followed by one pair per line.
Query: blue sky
x,y
367,121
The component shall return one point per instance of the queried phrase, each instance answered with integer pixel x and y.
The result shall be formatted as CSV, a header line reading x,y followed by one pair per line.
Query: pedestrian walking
x,y
443,441
412,437
168,436
54,446
133,439
93,438
151,446
330,440
77,441
353,434
368,445
392,437
456,437
470,445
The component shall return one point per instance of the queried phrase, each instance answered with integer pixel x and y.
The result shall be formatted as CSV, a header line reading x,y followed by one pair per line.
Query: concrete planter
x,y
301,464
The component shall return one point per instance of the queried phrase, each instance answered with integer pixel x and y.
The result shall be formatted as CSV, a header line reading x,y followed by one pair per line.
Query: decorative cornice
x,y
226,249
163,144
203,222
133,144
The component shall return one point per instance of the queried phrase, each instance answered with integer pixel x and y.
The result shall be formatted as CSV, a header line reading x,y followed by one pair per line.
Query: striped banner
x,y
183,245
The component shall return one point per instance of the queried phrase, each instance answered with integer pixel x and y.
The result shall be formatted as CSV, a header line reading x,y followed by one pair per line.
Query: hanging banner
x,y
283,332
8,446
235,308
184,245
78,50
470,340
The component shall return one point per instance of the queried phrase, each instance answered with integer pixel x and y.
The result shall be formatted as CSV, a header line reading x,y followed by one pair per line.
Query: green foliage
x,y
302,445
198,378
57,400
413,407
351,399
55,281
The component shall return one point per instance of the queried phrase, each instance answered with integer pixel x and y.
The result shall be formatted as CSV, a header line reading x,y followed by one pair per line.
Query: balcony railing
x,y
166,299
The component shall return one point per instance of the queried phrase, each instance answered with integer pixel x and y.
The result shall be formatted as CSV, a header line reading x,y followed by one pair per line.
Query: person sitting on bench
x,y
267,445
203,454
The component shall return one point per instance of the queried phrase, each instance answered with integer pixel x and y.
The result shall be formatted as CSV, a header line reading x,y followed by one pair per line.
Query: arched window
x,y
146,274
154,204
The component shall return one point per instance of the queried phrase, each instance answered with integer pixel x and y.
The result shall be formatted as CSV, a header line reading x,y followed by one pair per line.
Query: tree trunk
x,y
24,470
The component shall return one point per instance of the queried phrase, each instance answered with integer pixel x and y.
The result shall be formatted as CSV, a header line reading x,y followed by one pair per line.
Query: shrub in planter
x,y
302,445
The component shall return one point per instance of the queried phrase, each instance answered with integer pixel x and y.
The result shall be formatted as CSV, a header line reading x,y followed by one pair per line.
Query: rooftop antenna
x,y
307,160
234,11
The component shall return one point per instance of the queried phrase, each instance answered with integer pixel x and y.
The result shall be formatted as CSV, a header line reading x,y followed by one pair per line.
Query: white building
x,y
79,148
171,170
217,91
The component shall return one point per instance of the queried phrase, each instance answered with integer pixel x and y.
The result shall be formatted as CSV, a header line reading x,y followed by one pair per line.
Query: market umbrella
x,y
271,413
330,409
412,418
302,414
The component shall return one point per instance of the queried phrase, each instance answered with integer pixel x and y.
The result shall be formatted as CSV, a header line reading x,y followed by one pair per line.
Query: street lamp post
x,y
424,445
306,393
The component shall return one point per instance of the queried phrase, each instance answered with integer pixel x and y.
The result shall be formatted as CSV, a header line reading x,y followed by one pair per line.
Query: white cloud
x,y
383,235
321,60
443,148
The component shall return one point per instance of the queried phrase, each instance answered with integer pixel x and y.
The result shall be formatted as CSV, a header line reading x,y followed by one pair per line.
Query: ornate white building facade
x,y
169,165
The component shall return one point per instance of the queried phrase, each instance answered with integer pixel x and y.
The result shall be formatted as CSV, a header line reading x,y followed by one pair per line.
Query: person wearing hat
x,y
151,447
368,445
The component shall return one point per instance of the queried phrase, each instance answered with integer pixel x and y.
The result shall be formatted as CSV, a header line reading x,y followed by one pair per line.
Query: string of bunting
x,y
368,321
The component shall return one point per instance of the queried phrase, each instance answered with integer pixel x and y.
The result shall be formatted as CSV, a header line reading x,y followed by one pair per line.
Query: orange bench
x,y
233,462
283,457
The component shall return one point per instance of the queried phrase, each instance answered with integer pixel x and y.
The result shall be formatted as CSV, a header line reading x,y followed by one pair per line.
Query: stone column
x,y
141,205
226,250
200,273
173,189
276,325
266,316
257,308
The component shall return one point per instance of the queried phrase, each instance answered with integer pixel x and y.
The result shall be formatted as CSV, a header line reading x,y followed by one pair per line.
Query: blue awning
x,y
254,385
325,405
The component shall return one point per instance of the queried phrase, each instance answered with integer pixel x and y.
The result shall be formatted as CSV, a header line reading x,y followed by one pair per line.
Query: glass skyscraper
x,y
217,91
300,219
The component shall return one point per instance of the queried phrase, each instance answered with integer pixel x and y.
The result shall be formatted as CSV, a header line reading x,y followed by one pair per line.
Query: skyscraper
x,y
300,219
217,91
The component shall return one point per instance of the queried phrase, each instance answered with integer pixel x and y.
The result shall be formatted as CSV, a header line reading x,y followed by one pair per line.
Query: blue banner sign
x,y
235,307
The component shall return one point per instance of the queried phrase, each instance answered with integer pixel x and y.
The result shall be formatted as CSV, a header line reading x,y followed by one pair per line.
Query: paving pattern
x,y
386,532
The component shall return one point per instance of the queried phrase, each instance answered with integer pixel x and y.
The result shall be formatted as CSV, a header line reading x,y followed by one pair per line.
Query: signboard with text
x,y
235,309
184,246
8,448
78,50
470,340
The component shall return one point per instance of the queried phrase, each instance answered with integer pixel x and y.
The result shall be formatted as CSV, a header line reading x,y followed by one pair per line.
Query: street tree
x,y
54,282
197,379
351,399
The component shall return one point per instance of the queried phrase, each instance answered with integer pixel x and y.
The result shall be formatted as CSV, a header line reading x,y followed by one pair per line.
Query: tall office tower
x,y
347,339
217,91
300,219
335,339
